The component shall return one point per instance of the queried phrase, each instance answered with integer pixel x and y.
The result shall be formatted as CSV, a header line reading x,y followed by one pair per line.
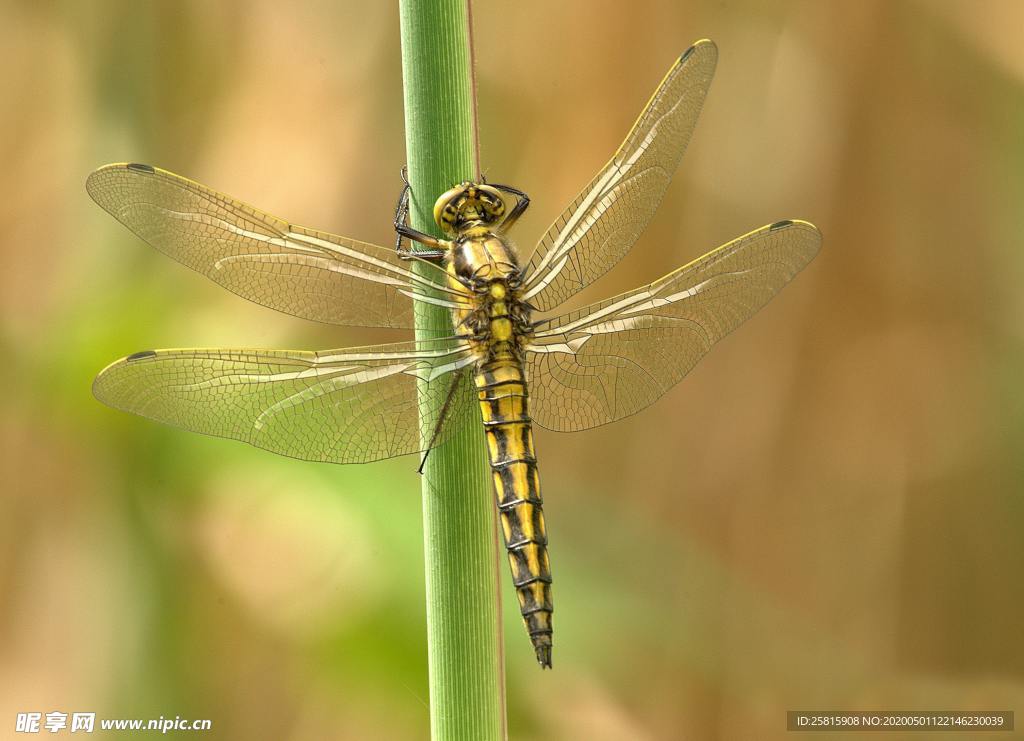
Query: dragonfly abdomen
x,y
501,386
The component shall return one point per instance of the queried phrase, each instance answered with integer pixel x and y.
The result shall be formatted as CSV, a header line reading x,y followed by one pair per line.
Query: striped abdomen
x,y
501,386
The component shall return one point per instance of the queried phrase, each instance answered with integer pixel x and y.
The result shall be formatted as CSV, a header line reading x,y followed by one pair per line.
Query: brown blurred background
x,y
826,514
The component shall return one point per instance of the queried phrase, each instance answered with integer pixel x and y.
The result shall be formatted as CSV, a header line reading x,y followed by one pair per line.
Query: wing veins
x,y
642,342
606,218
265,259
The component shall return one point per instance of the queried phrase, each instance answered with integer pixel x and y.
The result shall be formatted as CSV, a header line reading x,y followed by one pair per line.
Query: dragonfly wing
x,y
612,359
346,406
600,226
299,271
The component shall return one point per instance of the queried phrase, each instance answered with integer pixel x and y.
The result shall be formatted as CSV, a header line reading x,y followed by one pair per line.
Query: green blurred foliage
x,y
825,514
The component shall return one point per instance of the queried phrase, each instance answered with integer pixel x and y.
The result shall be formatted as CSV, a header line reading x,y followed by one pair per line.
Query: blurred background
x,y
826,514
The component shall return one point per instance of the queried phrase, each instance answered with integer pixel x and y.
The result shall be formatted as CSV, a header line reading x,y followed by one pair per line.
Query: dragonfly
x,y
510,352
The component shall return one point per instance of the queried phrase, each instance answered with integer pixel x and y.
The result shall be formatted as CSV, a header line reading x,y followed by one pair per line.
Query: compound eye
x,y
450,214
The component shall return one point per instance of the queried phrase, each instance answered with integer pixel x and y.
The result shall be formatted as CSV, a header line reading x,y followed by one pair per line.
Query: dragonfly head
x,y
468,204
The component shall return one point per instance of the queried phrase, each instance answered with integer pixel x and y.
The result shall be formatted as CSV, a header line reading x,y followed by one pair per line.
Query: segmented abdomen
x,y
501,387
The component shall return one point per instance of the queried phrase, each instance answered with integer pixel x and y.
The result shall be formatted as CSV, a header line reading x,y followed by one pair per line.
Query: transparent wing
x,y
600,226
310,274
612,359
345,406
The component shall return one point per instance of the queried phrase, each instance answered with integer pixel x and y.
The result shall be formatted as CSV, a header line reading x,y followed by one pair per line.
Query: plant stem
x,y
467,689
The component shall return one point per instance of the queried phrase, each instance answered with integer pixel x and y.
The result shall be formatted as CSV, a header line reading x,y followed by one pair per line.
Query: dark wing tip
x,y
703,44
810,239
799,223
140,355
96,183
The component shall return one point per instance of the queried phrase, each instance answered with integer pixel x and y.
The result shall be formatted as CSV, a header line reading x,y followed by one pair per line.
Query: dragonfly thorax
x,y
468,205
486,265
479,259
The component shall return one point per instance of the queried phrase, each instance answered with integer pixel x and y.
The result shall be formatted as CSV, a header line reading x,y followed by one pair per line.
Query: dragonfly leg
x,y
441,416
439,247
522,203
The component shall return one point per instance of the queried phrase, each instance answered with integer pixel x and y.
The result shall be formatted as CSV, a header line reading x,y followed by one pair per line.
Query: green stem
x,y
467,689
